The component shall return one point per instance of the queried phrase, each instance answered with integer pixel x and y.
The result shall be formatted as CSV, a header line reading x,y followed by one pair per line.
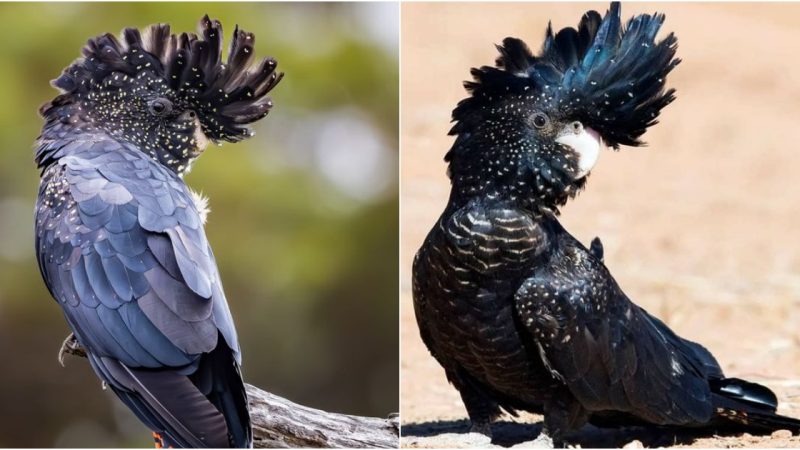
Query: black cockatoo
x,y
119,236
521,315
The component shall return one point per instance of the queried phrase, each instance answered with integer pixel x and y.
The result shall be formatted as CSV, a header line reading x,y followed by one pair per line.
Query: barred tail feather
x,y
751,405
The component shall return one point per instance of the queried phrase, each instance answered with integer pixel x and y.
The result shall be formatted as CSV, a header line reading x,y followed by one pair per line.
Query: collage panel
x,y
515,320
295,105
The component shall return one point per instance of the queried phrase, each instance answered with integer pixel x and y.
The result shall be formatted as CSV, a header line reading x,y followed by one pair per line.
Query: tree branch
x,y
279,423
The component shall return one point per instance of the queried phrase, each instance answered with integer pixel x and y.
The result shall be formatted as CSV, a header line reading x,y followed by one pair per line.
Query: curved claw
x,y
70,346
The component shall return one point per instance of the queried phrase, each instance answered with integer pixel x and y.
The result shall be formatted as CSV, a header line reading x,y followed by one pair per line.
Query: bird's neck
x,y
523,197
500,164
515,186
65,122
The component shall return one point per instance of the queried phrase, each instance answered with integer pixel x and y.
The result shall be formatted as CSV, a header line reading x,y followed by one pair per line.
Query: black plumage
x,y
519,313
119,236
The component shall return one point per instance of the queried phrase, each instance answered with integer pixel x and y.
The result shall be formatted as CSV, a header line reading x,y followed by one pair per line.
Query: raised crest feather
x,y
607,75
227,95
515,57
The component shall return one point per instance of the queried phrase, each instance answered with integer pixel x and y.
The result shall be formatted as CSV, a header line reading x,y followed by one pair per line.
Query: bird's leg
x,y
70,346
481,410
562,413
484,428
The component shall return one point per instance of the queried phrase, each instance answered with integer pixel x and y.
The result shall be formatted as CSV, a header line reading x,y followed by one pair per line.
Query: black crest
x,y
226,95
609,76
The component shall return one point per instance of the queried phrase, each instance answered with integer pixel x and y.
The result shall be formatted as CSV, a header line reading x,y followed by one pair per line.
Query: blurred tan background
x,y
700,227
303,221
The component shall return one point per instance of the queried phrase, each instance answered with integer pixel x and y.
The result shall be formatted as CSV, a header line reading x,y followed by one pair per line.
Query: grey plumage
x,y
120,240
127,233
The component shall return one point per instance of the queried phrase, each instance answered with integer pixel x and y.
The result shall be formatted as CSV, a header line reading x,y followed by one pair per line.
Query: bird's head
x,y
167,94
534,125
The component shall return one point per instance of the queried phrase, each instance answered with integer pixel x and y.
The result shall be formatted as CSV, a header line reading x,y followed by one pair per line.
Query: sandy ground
x,y
700,228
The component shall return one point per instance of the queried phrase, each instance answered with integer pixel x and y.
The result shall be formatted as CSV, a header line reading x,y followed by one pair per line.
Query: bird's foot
x,y
484,428
541,441
70,346
159,441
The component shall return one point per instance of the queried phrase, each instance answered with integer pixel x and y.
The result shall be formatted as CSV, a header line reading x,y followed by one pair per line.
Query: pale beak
x,y
585,142
200,138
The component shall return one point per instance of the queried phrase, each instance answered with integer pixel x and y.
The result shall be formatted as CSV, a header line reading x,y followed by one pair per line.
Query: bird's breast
x,y
469,321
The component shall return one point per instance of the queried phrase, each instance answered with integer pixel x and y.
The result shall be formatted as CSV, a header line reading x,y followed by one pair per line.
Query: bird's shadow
x,y
507,433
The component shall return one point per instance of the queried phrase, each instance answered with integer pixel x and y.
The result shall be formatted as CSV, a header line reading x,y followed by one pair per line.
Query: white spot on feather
x,y
676,366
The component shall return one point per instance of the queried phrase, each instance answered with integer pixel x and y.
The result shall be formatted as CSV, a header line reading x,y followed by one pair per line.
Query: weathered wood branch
x,y
279,423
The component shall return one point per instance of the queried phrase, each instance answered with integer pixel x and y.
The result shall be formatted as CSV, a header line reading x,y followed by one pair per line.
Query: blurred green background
x,y
304,217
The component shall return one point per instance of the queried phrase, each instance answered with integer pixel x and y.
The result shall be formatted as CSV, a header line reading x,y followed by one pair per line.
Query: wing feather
x,y
121,247
607,350
131,245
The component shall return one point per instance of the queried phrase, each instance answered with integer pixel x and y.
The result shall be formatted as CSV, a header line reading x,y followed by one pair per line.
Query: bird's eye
x,y
159,106
540,120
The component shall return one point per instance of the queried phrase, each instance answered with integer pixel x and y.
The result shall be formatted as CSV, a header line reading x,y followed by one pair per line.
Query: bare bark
x,y
279,423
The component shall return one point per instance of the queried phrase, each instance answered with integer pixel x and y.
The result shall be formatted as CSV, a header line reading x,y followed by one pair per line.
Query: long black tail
x,y
202,409
751,405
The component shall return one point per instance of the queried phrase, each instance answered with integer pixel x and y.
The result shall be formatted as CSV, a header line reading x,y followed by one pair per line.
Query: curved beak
x,y
585,142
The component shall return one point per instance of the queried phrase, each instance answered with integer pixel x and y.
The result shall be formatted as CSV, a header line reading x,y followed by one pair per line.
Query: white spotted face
x,y
585,142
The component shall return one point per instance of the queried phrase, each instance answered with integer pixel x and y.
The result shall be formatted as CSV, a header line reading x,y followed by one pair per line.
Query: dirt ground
x,y
700,227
